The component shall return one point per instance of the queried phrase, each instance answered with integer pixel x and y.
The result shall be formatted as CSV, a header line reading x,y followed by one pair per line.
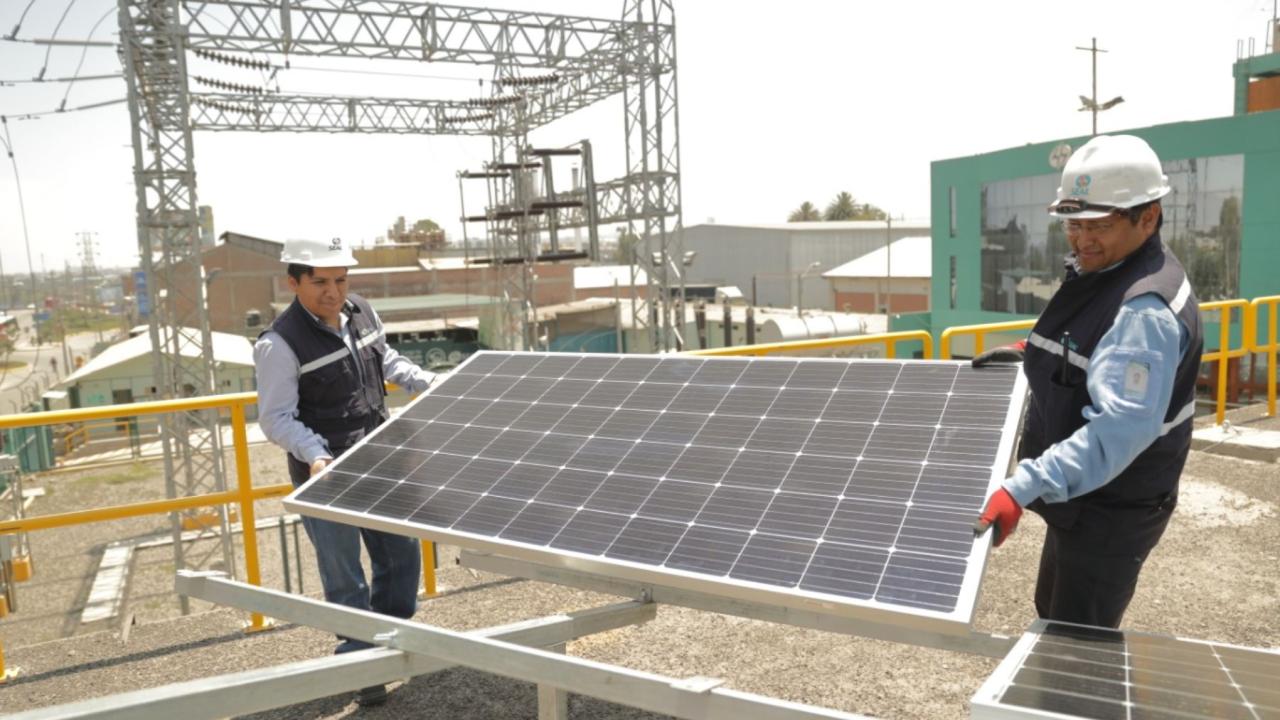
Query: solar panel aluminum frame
x,y
957,622
985,703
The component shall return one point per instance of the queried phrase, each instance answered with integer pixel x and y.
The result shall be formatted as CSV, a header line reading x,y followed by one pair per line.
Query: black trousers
x,y
1089,569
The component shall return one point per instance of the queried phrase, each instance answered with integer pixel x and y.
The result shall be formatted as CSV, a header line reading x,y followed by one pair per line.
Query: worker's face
x,y
1103,242
323,292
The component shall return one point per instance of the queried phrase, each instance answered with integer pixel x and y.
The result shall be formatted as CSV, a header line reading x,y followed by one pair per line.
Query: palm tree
x,y
842,207
807,212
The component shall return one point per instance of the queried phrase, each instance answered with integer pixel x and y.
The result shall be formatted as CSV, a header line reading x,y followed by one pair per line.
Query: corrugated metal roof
x,y
227,348
909,257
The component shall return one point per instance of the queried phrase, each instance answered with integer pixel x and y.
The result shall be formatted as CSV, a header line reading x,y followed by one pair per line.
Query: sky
x,y
779,103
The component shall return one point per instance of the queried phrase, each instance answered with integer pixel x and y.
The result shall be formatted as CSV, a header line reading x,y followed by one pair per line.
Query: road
x,y
22,385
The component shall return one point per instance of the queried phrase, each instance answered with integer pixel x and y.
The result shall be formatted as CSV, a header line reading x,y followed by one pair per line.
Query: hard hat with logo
x,y
1109,173
318,253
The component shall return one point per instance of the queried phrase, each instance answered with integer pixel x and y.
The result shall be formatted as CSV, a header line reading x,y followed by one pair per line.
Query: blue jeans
x,y
396,560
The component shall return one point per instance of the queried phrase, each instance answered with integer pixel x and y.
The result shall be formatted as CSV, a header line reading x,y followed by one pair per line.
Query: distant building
x,y
124,373
864,285
779,259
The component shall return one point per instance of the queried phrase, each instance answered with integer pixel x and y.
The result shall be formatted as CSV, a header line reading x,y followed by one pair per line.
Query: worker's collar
x,y
343,316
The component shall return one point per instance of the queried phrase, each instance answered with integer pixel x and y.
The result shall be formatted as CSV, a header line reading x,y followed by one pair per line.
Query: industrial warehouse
x,y
606,460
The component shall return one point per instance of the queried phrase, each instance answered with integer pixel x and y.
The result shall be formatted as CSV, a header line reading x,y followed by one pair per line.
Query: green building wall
x,y
1256,137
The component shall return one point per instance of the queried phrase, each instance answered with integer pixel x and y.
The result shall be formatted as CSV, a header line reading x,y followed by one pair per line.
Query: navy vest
x,y
339,401
1082,311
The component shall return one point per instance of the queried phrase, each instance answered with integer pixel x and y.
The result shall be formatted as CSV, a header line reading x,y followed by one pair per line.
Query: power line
x,y
21,17
61,111
84,51
56,28
84,78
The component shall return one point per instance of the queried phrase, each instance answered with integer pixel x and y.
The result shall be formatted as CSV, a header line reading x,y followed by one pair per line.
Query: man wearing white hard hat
x,y
1112,364
322,369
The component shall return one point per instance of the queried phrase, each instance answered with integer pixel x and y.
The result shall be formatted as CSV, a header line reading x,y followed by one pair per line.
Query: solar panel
x,y
843,486
1062,670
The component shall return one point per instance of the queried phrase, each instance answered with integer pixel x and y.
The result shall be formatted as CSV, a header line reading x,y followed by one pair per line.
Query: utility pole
x,y
1091,103
1093,50
888,269
22,209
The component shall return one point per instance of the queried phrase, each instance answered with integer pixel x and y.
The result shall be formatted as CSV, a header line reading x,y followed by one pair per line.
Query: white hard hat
x,y
1110,172
317,253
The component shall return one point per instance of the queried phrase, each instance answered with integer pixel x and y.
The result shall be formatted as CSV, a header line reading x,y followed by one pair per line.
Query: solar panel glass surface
x,y
849,484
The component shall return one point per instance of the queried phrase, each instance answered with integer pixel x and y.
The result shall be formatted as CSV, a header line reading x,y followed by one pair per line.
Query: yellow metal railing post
x,y
248,525
428,569
1225,352
1272,303
1224,338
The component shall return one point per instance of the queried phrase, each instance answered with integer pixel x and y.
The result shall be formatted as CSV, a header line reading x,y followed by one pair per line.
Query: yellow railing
x,y
1225,352
1272,303
888,340
979,333
245,494
80,435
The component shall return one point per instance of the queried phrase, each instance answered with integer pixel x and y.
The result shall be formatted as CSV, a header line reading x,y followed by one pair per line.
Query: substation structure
x,y
545,67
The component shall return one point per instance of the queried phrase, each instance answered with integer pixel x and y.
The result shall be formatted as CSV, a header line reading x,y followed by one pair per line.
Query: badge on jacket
x,y
1136,375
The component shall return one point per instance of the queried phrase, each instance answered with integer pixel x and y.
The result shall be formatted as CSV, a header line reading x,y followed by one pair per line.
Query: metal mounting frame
x,y
410,648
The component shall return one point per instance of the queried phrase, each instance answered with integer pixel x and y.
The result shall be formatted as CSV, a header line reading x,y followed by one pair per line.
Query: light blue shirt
x,y
1128,410
276,368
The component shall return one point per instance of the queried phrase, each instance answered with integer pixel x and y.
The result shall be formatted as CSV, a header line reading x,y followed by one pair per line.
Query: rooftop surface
x,y
1203,581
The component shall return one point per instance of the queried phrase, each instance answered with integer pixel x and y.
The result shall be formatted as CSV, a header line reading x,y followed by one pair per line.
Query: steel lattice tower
x,y
545,66
168,242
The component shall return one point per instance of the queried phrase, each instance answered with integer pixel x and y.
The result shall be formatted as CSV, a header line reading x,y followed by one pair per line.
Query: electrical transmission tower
x,y
154,42
545,66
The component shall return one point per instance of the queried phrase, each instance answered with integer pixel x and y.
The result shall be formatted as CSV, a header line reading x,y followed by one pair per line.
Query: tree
x,y
807,212
842,207
626,241
425,225
867,211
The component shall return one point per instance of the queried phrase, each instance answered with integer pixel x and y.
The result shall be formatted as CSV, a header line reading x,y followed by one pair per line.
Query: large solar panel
x,y
1060,670
849,487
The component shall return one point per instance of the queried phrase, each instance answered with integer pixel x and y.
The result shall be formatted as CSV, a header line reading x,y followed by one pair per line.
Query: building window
x,y
953,282
1023,248
951,203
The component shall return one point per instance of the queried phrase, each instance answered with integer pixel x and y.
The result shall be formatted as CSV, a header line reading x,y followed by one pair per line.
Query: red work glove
x,y
1003,512
1004,354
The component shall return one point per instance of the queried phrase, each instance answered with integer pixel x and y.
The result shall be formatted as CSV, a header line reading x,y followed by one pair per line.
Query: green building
x,y
997,254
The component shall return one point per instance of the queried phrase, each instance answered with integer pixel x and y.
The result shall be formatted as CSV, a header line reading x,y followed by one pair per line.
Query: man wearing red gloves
x,y
1111,364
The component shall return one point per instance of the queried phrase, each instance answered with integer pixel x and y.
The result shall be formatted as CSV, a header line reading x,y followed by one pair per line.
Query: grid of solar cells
x,y
1113,675
859,479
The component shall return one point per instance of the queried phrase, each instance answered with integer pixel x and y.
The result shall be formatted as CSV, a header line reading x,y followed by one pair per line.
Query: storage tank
x,y
783,328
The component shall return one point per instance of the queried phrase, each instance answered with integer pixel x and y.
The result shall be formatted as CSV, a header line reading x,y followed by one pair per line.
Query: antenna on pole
x,y
1091,103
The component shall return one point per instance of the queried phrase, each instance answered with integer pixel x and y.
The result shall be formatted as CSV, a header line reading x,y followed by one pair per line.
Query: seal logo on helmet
x,y
1082,186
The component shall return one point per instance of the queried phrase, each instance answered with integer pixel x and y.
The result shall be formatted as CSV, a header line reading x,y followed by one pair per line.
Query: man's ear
x,y
293,283
1151,217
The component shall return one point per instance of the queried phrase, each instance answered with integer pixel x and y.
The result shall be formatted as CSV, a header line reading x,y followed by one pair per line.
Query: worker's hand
x,y
1003,512
1004,354
319,465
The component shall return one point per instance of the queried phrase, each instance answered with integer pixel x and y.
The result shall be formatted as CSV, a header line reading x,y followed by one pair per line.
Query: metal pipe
x,y
284,557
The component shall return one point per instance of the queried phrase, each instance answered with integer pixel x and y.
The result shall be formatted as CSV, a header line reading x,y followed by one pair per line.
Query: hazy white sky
x,y
779,103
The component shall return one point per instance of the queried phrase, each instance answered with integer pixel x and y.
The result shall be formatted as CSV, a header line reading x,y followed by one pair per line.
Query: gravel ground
x,y
1213,577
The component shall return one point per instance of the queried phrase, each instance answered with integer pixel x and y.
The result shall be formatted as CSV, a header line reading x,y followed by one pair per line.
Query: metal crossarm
x,y
400,30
